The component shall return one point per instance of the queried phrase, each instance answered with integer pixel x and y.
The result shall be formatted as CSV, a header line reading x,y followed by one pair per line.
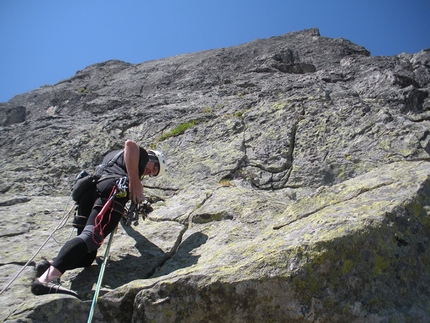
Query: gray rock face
x,y
298,186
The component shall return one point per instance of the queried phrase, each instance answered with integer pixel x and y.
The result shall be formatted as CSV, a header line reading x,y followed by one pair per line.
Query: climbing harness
x,y
99,280
84,181
60,225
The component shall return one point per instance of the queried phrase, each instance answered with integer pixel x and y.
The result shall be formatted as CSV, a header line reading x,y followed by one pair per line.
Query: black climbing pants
x,y
82,250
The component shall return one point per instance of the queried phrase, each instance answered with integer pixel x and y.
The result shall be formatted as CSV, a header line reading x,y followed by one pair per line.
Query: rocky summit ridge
x,y
298,186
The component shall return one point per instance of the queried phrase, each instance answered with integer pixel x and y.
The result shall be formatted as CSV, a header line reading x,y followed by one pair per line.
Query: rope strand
x,y
61,224
99,218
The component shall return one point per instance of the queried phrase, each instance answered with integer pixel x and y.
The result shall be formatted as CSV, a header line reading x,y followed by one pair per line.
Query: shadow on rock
x,y
152,262
183,257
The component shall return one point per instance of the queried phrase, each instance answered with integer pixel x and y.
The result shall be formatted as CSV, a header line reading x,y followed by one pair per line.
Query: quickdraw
x,y
133,212
122,187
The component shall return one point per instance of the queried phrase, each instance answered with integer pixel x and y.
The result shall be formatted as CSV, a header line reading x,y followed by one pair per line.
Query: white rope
x,y
62,223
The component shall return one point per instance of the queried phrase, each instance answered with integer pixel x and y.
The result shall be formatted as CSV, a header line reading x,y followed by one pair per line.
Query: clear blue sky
x,y
45,41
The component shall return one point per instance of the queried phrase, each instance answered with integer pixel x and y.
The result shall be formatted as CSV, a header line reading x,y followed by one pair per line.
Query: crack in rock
x,y
14,201
168,255
349,197
240,171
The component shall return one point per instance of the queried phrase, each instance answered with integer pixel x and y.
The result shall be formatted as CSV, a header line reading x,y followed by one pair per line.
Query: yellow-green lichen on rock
x,y
297,186
356,253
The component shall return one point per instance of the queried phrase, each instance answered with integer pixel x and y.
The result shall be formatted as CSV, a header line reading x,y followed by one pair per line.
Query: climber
x,y
100,208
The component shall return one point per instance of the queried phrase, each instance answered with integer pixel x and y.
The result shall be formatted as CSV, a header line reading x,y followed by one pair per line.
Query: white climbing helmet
x,y
160,158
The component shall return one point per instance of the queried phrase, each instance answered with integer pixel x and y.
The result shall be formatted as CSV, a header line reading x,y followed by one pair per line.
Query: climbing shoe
x,y
54,287
41,267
